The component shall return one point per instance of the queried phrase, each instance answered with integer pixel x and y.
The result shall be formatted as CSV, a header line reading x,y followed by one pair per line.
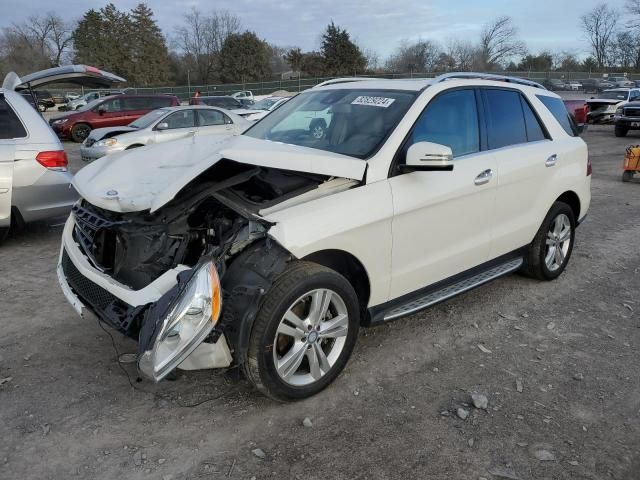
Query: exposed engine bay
x,y
216,214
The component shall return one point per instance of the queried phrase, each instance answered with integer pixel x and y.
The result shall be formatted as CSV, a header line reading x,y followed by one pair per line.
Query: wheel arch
x,y
351,268
571,198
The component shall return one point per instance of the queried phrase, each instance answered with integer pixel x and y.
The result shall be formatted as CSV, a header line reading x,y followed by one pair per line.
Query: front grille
x,y
96,296
632,112
92,232
109,308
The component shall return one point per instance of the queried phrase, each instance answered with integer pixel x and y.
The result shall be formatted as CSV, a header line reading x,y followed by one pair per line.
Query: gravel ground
x,y
558,366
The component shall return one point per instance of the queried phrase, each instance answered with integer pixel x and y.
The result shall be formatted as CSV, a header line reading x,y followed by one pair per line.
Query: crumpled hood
x,y
100,133
147,178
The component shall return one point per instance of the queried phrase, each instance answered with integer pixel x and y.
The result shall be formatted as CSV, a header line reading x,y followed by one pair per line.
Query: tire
x,y
79,132
537,263
4,232
273,336
42,107
627,176
621,131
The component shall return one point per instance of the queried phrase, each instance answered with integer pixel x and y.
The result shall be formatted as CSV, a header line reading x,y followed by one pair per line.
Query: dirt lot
x,y
571,346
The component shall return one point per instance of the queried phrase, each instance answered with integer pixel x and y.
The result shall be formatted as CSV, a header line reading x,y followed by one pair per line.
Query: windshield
x,y
148,119
614,95
266,103
352,122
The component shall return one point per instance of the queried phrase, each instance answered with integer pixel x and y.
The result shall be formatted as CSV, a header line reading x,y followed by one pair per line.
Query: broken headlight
x,y
189,321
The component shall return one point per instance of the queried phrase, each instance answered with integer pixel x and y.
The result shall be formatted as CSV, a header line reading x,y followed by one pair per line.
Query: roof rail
x,y
333,81
487,76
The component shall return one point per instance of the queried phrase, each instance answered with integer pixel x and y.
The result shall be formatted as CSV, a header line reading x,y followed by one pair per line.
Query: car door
x,y
10,129
526,158
442,219
109,113
214,122
179,124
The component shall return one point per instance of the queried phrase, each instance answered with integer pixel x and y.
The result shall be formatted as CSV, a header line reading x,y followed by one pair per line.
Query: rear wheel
x,y
627,176
42,107
551,248
621,131
304,333
79,132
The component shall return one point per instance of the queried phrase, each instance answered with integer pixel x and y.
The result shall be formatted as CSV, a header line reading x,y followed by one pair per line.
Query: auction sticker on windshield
x,y
383,102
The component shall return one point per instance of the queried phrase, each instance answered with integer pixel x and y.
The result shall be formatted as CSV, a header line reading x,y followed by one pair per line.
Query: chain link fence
x,y
184,92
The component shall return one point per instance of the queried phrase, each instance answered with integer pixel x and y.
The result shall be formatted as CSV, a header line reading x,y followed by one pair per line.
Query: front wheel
x,y
551,248
621,131
80,132
627,176
4,232
304,333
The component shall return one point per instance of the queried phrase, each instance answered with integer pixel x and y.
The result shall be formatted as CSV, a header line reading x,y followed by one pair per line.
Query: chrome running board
x,y
453,289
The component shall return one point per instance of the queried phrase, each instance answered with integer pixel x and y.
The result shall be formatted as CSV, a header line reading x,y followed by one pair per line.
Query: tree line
x,y
214,47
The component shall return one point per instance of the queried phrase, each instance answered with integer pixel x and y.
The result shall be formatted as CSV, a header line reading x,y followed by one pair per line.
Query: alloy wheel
x,y
310,337
558,242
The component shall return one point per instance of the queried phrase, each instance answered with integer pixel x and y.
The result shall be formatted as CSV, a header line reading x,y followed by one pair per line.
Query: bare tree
x,y
38,42
499,42
464,55
633,9
201,38
421,56
599,26
373,58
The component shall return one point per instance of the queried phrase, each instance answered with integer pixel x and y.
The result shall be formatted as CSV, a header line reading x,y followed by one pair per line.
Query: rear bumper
x,y
50,196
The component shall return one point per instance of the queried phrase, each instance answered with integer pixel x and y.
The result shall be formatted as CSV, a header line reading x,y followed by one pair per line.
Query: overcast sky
x,y
375,24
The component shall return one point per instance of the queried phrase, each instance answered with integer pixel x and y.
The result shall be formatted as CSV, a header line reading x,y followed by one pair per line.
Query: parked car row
x,y
589,85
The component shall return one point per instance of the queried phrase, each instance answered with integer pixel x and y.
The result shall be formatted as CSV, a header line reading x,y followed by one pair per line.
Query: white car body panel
x,y
357,221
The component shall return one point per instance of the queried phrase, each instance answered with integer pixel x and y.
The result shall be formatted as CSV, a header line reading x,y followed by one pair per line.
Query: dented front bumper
x,y
135,313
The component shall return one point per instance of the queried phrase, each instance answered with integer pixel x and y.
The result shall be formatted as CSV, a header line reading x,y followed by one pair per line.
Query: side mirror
x,y
428,156
162,126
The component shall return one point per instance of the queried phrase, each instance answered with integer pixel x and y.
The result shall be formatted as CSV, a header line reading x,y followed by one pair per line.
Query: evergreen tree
x,y
149,49
341,55
128,44
244,58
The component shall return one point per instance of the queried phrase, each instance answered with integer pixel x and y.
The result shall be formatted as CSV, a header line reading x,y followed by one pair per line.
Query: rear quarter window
x,y
10,124
559,111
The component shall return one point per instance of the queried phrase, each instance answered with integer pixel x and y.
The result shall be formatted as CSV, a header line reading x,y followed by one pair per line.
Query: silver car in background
x,y
162,125
34,181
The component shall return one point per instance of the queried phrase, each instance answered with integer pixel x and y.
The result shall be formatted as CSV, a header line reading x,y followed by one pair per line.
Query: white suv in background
x,y
270,249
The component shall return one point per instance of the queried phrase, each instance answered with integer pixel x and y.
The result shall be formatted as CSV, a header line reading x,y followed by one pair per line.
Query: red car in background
x,y
114,111
579,110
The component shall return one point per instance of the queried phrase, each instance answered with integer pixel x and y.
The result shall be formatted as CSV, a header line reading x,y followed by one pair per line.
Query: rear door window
x,y
559,111
159,102
10,124
535,130
505,119
212,117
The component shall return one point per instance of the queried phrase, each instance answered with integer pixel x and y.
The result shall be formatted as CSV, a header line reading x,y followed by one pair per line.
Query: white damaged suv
x,y
270,249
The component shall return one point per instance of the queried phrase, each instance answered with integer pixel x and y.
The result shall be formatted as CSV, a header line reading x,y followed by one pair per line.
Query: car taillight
x,y
54,159
589,168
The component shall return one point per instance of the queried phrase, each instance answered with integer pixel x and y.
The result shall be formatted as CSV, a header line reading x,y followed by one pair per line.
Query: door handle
x,y
484,177
551,161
